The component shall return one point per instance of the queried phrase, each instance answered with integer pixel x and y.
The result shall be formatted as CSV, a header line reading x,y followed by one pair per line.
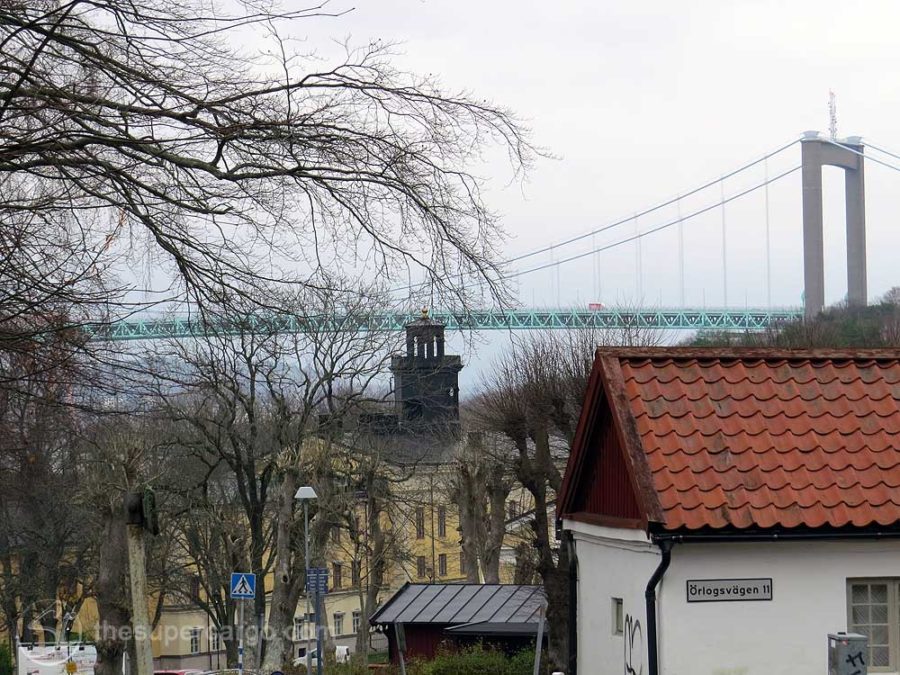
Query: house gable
x,y
599,485
604,494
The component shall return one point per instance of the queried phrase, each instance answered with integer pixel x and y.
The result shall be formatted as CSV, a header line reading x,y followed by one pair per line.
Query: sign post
x,y
400,637
243,587
539,643
317,583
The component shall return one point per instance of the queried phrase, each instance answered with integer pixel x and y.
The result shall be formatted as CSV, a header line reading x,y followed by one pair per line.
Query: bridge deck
x,y
668,319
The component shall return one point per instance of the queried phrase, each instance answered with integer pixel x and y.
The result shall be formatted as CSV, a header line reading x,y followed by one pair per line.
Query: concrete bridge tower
x,y
848,155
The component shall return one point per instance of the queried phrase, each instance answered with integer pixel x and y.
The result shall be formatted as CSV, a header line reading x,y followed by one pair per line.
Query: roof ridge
x,y
749,353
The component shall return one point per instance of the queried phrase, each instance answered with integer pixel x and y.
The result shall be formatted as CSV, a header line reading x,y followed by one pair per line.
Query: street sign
x,y
728,590
317,580
243,585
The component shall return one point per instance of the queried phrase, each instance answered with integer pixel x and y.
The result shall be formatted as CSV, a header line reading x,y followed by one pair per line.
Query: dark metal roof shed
x,y
462,604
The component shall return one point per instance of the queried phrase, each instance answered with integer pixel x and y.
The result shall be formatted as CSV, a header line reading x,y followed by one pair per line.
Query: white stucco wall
x,y
612,563
784,636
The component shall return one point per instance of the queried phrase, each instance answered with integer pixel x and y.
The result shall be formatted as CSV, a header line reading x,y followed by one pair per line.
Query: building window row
x,y
441,521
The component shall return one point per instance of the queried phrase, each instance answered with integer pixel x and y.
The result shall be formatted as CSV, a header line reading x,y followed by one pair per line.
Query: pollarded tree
x,y
534,399
479,483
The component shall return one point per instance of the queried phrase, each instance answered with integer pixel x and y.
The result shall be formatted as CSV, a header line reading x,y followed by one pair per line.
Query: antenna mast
x,y
832,115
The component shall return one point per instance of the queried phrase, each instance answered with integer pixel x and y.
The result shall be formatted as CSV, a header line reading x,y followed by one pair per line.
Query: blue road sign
x,y
317,580
243,585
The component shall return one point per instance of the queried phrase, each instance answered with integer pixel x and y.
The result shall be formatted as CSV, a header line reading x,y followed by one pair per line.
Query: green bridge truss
x,y
666,319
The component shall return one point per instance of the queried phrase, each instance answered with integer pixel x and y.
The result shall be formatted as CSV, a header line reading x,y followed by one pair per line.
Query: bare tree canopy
x,y
124,121
534,399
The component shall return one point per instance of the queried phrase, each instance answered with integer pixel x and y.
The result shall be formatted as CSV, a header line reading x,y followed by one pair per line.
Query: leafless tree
x,y
247,407
534,399
39,530
143,125
479,483
116,455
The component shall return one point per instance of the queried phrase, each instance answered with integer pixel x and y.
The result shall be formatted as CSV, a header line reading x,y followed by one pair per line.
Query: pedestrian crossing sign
x,y
243,585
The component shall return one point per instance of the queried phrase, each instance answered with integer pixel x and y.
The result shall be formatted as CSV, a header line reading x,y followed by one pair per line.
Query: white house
x,y
731,508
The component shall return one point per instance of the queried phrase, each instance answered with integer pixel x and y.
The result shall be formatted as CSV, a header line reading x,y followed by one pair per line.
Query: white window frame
x,y
617,616
356,621
194,638
215,640
338,616
893,611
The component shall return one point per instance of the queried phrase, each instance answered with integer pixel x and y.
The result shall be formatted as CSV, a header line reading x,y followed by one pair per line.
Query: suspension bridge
x,y
816,152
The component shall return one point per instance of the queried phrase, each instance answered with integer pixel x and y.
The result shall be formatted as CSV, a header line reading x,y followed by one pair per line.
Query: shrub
x,y
472,660
523,663
6,661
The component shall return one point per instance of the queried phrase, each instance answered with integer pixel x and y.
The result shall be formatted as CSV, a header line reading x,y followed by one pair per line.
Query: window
x,y
336,581
195,587
420,522
512,509
338,623
298,628
462,562
195,640
420,566
442,564
442,521
874,610
336,534
357,618
215,640
354,573
618,617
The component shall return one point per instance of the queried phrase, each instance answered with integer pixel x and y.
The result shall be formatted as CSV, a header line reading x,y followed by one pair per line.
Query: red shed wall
x,y
605,488
422,641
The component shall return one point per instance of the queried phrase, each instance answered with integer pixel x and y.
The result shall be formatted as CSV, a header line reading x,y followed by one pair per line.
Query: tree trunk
x,y
111,599
497,492
556,585
535,474
286,582
231,653
376,568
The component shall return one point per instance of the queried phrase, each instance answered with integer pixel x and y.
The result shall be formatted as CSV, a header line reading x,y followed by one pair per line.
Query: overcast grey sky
x,y
643,100
640,101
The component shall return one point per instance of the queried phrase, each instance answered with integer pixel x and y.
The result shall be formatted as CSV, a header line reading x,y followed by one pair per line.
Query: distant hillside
x,y
836,327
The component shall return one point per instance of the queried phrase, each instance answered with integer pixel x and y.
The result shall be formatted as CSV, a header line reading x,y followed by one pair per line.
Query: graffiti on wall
x,y
634,646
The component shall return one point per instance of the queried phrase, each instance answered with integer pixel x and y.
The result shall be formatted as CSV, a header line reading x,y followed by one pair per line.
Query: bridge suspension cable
x,y
658,228
648,211
553,247
868,157
881,150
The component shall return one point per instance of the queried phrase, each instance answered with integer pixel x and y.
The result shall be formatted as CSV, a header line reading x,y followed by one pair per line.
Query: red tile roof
x,y
756,439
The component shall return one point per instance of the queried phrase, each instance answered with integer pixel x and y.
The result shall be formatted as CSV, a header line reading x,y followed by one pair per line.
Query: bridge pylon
x,y
848,155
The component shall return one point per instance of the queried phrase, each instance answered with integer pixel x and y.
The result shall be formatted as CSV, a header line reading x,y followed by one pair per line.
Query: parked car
x,y
341,655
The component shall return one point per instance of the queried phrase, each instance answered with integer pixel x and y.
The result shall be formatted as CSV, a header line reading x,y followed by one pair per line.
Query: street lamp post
x,y
305,494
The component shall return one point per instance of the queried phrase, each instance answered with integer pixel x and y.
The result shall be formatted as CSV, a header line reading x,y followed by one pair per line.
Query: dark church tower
x,y
426,380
